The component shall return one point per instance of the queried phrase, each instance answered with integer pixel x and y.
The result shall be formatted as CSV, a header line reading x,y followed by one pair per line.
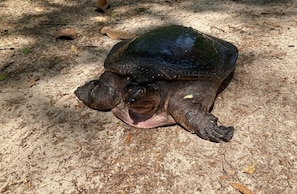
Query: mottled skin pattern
x,y
144,90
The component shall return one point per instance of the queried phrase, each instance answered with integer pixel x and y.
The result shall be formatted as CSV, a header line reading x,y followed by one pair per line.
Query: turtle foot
x,y
217,133
208,129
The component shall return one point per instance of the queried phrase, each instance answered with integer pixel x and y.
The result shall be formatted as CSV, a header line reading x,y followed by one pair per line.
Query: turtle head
x,y
142,99
98,95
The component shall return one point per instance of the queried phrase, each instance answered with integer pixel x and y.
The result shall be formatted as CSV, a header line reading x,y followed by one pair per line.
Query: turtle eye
x,y
142,91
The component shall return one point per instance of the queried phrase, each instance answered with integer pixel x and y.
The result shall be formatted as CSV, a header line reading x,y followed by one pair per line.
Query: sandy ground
x,y
51,143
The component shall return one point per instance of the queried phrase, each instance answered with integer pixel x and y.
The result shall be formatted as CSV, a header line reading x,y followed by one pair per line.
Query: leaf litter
x,y
251,168
67,33
117,34
102,6
243,189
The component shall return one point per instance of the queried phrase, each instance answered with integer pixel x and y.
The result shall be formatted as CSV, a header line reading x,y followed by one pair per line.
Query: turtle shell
x,y
173,53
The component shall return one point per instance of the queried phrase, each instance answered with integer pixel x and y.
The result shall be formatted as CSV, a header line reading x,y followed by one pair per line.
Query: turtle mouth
x,y
142,106
142,99
139,117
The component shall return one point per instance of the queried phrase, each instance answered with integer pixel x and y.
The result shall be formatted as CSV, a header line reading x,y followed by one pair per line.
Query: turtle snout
x,y
83,92
98,95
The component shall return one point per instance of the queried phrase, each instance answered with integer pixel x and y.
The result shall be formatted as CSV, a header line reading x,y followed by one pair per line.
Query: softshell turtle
x,y
166,76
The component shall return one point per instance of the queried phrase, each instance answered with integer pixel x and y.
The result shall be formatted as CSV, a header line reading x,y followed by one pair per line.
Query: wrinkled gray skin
x,y
142,97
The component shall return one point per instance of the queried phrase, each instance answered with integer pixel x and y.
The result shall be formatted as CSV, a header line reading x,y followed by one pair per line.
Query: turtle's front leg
x,y
196,119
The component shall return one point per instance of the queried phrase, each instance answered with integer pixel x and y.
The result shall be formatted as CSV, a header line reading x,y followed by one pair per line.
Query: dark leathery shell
x,y
173,52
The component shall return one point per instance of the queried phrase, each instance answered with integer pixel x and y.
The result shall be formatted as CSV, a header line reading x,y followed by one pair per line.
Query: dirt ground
x,y
51,143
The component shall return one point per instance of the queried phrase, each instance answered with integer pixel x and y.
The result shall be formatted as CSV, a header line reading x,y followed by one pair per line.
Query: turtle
x,y
169,75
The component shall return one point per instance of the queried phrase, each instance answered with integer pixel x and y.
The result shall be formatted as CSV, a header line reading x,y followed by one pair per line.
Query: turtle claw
x,y
210,130
219,134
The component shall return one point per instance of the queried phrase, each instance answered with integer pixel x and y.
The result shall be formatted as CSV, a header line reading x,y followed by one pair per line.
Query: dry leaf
x,y
128,139
39,9
279,54
243,189
102,5
33,81
79,106
74,49
118,192
28,184
223,177
117,34
67,33
101,19
251,168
